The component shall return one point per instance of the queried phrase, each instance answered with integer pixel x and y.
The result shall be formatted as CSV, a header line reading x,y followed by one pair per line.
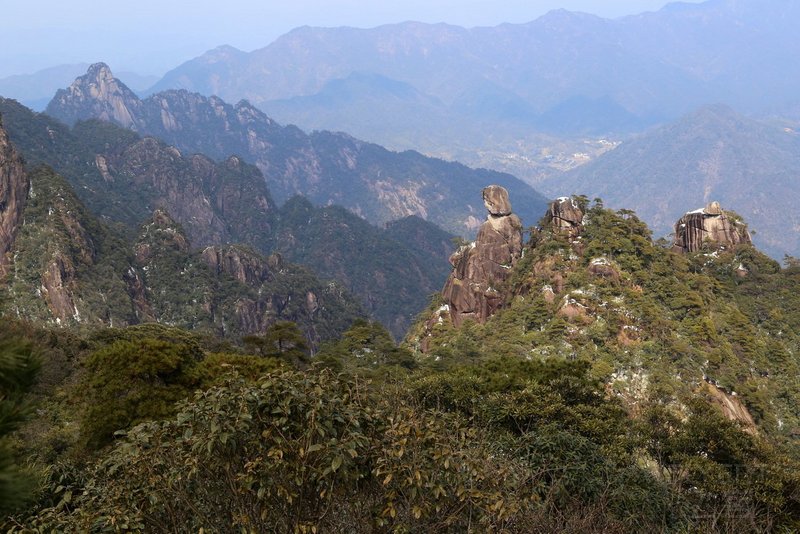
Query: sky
x,y
154,36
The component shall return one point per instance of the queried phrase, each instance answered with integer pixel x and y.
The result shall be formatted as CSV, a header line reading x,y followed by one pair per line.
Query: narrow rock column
x,y
473,289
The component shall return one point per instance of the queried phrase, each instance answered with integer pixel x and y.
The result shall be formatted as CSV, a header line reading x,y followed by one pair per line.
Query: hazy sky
x,y
152,36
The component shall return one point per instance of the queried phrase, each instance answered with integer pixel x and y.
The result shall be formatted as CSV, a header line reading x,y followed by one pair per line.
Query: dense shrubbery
x,y
18,368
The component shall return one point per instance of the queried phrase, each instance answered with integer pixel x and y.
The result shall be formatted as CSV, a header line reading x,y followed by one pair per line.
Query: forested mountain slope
x,y
123,178
326,167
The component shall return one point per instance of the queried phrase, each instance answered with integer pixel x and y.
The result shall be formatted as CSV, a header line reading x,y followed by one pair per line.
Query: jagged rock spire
x,y
479,268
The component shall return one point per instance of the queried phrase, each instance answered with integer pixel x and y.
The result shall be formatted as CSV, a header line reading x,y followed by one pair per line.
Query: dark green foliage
x,y
131,382
393,271
18,368
283,340
312,452
366,348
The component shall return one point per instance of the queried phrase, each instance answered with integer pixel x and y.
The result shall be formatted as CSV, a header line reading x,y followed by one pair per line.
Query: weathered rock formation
x,y
214,202
564,215
708,224
97,94
13,193
479,269
58,287
245,266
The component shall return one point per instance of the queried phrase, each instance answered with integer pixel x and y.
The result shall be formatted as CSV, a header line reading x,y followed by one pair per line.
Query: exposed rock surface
x,y
230,289
604,268
479,269
564,215
138,294
243,265
123,178
97,94
731,406
58,286
13,193
214,202
708,224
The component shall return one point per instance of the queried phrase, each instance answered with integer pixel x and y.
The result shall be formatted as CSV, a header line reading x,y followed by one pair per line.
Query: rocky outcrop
x,y
138,294
564,216
730,405
473,289
245,266
99,95
58,286
214,202
13,194
709,224
602,267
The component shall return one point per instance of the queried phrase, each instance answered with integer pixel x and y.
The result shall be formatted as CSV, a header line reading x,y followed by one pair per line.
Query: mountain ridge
x,y
326,167
123,178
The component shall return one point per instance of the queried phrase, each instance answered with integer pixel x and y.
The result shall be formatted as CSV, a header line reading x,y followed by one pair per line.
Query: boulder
x,y
495,198
480,268
709,224
603,268
564,216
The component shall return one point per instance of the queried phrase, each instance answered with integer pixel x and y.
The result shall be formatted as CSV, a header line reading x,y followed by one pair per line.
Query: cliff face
x,y
71,269
13,194
473,289
122,177
63,268
214,202
708,224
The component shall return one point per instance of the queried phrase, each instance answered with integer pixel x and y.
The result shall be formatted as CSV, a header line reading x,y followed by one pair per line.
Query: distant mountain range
x,y
477,89
326,167
712,154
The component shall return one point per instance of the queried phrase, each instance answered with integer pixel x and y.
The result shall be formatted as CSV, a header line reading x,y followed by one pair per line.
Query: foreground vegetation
x,y
619,416
174,437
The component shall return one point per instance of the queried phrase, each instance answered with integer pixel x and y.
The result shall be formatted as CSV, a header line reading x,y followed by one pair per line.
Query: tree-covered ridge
x,y
69,268
123,177
326,167
394,270
655,325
